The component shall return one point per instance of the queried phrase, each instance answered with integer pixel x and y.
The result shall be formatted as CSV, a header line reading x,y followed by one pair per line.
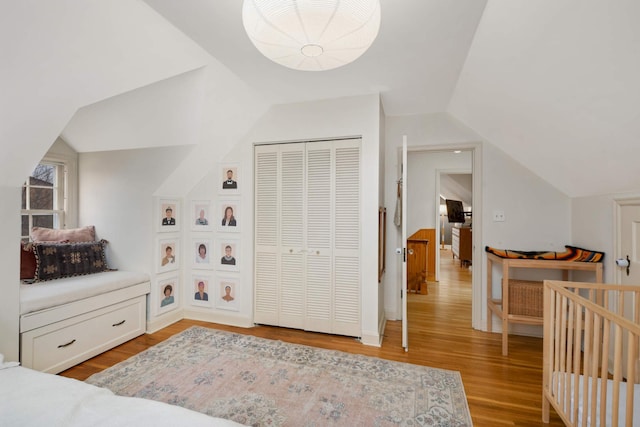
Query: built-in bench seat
x,y
68,320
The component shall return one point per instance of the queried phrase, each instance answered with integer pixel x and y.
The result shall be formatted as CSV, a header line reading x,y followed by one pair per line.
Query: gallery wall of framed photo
x,y
197,255
167,256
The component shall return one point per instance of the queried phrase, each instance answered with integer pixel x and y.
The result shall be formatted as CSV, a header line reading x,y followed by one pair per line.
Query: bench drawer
x,y
58,346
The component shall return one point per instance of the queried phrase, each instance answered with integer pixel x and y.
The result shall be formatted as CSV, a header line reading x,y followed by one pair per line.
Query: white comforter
x,y
32,398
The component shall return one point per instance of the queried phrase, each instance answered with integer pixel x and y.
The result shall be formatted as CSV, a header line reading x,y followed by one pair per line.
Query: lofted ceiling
x,y
553,83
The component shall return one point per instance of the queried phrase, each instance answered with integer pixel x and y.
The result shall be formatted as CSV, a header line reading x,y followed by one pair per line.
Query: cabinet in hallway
x,y
461,244
307,236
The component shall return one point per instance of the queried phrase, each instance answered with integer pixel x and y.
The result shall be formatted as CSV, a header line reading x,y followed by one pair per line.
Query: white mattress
x,y
52,293
621,409
31,398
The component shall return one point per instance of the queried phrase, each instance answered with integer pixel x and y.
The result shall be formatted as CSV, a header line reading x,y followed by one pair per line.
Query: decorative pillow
x,y
82,234
27,262
57,260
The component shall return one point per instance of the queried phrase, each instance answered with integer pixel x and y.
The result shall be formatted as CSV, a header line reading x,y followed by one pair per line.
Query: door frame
x,y
477,302
439,173
617,234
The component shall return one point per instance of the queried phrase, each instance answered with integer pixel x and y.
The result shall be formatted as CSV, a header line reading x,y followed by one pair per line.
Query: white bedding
x,y
31,398
52,293
623,396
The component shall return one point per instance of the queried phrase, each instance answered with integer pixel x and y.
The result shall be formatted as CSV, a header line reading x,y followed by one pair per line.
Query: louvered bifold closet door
x,y
267,301
291,236
319,225
346,253
307,248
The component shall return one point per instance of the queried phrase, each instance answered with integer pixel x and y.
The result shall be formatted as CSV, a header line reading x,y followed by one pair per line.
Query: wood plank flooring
x,y
501,390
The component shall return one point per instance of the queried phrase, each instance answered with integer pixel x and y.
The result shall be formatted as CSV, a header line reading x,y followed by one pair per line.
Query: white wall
x,y
116,195
79,52
537,214
10,267
592,227
421,186
422,130
355,116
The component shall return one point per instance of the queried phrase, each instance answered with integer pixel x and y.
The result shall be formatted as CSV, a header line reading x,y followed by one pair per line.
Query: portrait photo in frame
x,y
201,253
201,215
228,254
227,293
168,215
230,180
229,216
168,254
200,290
168,291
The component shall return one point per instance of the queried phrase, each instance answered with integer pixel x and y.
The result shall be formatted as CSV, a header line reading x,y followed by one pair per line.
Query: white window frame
x,y
66,203
59,196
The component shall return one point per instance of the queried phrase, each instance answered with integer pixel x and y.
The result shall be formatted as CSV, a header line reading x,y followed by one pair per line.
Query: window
x,y
44,198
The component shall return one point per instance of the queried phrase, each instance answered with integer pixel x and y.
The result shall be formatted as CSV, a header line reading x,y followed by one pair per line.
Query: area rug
x,y
261,382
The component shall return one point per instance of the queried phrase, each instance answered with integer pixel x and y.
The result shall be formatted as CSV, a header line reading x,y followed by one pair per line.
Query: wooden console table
x,y
420,261
500,306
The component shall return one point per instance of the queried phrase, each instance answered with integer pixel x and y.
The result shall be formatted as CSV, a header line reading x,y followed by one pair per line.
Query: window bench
x,y
66,321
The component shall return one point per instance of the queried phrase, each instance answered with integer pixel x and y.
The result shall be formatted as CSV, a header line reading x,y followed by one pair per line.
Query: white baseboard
x,y
222,318
163,321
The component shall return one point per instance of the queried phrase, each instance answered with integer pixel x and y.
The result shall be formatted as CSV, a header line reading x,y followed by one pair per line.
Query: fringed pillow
x,y
57,260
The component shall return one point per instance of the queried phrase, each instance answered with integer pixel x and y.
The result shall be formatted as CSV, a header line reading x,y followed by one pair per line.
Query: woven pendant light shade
x,y
312,35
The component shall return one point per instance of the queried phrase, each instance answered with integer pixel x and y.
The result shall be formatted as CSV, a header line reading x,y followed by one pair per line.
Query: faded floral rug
x,y
261,382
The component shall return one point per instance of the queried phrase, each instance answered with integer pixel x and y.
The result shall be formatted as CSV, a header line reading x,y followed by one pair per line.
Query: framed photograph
x,y
229,178
226,293
167,292
200,290
200,215
201,253
229,216
228,254
168,215
168,254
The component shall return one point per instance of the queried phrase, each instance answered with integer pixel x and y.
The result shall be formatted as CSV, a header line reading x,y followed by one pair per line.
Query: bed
x,y
32,398
591,371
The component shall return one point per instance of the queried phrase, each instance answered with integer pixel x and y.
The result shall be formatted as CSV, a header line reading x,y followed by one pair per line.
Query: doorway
x,y
425,167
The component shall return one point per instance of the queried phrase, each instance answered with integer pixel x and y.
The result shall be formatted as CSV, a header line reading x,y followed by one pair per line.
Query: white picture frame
x,y
227,291
198,260
169,215
201,297
227,255
229,178
201,219
226,208
167,254
168,294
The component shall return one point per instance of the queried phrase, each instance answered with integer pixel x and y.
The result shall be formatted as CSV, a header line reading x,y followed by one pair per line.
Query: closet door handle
x,y
119,323
67,344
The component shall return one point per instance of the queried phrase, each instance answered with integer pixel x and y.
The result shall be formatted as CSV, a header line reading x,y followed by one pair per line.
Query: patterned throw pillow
x,y
57,260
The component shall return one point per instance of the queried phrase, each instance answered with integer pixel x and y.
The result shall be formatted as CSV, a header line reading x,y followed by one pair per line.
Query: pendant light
x,y
312,35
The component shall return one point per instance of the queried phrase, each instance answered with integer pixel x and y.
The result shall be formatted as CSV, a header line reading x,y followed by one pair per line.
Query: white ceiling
x,y
414,62
553,83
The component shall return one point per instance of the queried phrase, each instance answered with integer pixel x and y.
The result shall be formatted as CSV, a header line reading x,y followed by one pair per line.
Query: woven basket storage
x,y
525,298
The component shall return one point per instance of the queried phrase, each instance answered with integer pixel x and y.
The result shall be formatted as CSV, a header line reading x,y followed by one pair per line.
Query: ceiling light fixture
x,y
312,35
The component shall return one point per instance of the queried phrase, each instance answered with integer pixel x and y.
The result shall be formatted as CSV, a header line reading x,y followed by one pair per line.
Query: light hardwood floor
x,y
501,390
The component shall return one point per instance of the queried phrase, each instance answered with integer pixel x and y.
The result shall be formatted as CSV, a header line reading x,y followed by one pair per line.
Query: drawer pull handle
x,y
67,344
119,323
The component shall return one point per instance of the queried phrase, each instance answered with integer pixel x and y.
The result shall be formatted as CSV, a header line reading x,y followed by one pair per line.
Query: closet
x,y
307,236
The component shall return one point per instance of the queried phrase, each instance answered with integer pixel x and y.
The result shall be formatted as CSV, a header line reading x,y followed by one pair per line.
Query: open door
x,y
403,251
